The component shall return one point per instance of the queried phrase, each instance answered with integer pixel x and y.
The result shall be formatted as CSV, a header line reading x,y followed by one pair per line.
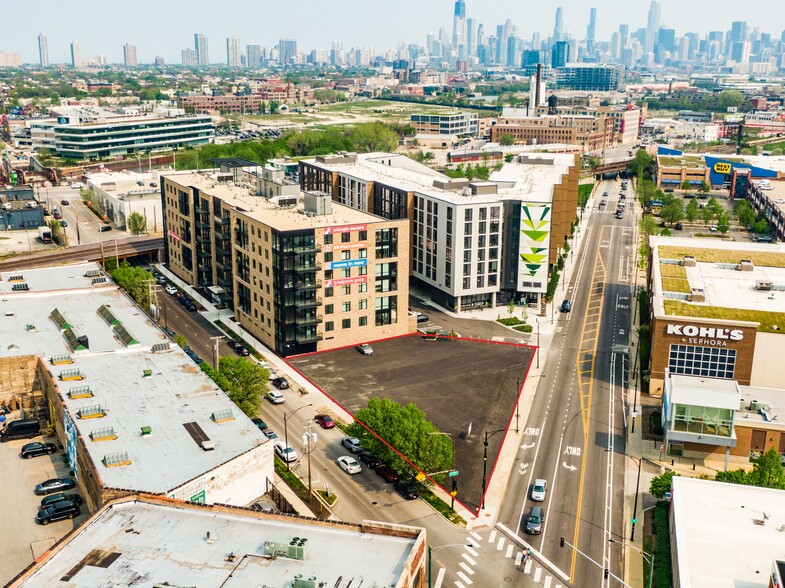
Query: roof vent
x,y
689,261
746,265
764,285
697,295
208,445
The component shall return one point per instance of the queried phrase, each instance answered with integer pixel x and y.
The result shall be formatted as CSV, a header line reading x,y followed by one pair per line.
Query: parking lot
x,y
464,387
22,539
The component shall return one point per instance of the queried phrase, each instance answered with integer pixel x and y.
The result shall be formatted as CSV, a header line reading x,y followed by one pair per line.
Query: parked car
x,y
64,202
30,450
538,490
407,490
275,397
191,307
104,229
169,332
52,498
260,424
423,318
20,429
171,290
280,383
65,509
369,459
64,224
678,226
365,349
534,521
233,344
349,464
388,474
242,351
325,421
566,306
285,452
668,190
54,485
161,279
352,444
270,434
56,214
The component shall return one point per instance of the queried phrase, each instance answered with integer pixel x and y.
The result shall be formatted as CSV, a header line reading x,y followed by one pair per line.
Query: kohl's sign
x,y
713,336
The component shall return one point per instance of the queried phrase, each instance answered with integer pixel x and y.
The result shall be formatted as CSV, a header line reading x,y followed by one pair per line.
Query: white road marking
x,y
537,574
528,567
474,553
467,558
476,535
440,578
492,536
510,548
466,568
459,585
547,583
500,545
465,578
518,558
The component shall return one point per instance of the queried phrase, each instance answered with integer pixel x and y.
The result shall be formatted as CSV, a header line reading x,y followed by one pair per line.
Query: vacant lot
x,y
464,387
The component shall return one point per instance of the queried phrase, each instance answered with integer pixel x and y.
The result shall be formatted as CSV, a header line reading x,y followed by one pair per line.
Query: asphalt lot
x,y
22,539
464,387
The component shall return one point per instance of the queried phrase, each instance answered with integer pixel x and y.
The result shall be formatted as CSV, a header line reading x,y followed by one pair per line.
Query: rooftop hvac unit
x,y
755,405
301,581
746,265
208,445
689,261
763,285
298,548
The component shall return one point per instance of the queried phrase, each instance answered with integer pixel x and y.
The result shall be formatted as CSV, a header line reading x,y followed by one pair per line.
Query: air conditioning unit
x,y
755,406
208,445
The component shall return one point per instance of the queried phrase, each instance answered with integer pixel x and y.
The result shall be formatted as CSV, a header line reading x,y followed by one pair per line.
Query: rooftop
x,y
147,541
717,540
707,392
695,161
134,384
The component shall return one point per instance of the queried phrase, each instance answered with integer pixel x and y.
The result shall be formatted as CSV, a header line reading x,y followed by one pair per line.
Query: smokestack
x,y
537,96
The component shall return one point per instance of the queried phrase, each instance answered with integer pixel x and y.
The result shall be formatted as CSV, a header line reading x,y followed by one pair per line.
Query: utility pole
x,y
116,254
517,402
78,235
309,444
216,340
101,242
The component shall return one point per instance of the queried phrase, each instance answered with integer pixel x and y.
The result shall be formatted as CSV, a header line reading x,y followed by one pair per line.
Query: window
x,y
483,214
363,304
346,290
362,271
363,287
328,309
328,257
328,292
363,253
467,269
346,324
386,310
467,255
709,362
363,236
467,216
363,321
467,283
480,281
346,272
346,255
703,420
346,306
467,229
328,239
329,326
346,237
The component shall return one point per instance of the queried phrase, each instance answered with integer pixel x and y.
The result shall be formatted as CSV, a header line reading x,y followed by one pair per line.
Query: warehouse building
x,y
147,540
133,412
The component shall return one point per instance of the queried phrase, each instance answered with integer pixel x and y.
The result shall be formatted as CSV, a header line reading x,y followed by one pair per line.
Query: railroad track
x,y
82,253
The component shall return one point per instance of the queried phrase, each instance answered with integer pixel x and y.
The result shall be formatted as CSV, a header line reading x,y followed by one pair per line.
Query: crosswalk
x,y
495,544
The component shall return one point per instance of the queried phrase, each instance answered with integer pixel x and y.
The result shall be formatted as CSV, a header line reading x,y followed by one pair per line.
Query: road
x,y
574,435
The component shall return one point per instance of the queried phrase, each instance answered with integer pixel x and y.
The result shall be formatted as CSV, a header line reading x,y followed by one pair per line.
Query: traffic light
x,y
561,541
607,573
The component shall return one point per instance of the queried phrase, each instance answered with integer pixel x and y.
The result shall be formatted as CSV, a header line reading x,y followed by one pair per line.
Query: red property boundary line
x,y
401,455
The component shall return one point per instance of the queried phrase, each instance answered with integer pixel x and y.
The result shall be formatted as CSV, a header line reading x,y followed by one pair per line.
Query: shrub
x,y
662,549
524,328
510,321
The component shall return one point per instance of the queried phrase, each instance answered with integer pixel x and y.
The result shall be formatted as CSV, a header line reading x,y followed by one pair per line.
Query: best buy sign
x,y
723,168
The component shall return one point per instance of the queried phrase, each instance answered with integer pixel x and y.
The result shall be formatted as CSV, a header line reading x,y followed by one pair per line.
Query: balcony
x,y
203,253
222,237
223,251
201,209
224,265
315,248
202,225
310,303
222,221
308,337
225,282
305,286
203,239
304,321
301,268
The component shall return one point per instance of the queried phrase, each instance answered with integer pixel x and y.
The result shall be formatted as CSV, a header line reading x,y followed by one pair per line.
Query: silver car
x,y
535,520
538,490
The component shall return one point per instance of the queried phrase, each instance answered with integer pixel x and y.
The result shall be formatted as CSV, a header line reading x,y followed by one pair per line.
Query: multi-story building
x,y
302,273
231,103
201,48
590,132
9,59
287,51
588,77
85,132
76,56
459,123
189,57
129,55
43,50
210,545
627,118
233,53
478,243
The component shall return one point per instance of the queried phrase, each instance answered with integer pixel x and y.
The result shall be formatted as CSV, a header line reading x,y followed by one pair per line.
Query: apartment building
x,y
590,132
474,243
231,103
302,273
458,123
627,118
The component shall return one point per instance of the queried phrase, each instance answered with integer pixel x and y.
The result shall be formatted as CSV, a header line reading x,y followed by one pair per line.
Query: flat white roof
x,y
138,543
176,391
707,392
717,541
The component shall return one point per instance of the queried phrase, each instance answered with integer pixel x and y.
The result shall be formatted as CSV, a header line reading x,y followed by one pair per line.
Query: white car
x,y
275,397
285,452
349,464
538,490
171,290
365,349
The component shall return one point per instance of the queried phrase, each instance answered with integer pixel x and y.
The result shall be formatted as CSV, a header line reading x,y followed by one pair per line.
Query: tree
x,y
137,224
672,212
723,224
661,484
767,471
692,211
733,476
136,282
244,381
506,139
406,429
747,217
373,136
685,185
761,227
707,215
704,188
648,225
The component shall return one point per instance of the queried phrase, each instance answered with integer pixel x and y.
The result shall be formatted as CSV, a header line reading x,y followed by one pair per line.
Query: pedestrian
x,y
528,552
523,559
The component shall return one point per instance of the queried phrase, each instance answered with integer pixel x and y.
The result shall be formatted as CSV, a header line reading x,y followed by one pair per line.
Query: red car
x,y
387,473
325,421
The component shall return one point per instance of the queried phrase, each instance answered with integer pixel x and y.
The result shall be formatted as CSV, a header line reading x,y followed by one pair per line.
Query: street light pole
x,y
485,463
538,343
517,402
635,508
454,485
286,417
643,553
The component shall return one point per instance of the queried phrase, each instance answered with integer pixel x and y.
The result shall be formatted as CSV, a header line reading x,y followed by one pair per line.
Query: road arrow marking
x,y
572,468
527,446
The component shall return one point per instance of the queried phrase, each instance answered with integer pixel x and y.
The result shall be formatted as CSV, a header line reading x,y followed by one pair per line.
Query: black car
x,y
369,459
52,498
105,228
184,300
261,425
407,490
233,344
281,383
242,351
30,450
422,318
678,226
566,306
65,509
54,485
191,307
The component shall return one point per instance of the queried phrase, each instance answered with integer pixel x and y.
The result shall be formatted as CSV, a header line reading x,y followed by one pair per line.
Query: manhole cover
x,y
507,579
374,503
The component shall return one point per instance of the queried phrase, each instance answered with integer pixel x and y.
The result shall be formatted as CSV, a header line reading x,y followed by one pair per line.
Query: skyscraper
x,y
471,37
653,25
76,57
624,36
459,25
287,50
189,57
738,32
43,50
253,55
129,55
591,31
560,54
558,27
233,52
200,46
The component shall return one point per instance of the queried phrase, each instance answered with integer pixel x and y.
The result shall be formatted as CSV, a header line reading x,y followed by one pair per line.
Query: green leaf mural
x,y
536,229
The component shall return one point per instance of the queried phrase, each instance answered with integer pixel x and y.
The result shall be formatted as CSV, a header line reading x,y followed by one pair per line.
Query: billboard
x,y
345,246
345,229
719,168
345,281
334,265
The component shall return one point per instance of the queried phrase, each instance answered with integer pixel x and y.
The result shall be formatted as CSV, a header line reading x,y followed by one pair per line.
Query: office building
x,y
229,103
43,50
560,54
652,26
702,553
587,131
740,51
189,57
132,410
76,57
129,55
302,273
88,132
198,545
474,243
253,55
588,77
459,28
738,32
8,59
233,53
558,26
200,46
287,51
713,314
459,123
591,31
471,37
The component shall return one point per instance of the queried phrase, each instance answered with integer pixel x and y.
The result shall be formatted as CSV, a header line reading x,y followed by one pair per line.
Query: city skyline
x,y
348,24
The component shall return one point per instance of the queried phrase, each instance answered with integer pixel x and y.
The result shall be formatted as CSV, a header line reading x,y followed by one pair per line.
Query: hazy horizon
x,y
165,28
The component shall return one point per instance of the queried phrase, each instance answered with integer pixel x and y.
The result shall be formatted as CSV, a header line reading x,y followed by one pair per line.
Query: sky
x,y
165,27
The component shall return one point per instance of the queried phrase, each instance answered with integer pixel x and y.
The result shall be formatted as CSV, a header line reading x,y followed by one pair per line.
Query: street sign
x,y
634,521
453,473
420,477
454,493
